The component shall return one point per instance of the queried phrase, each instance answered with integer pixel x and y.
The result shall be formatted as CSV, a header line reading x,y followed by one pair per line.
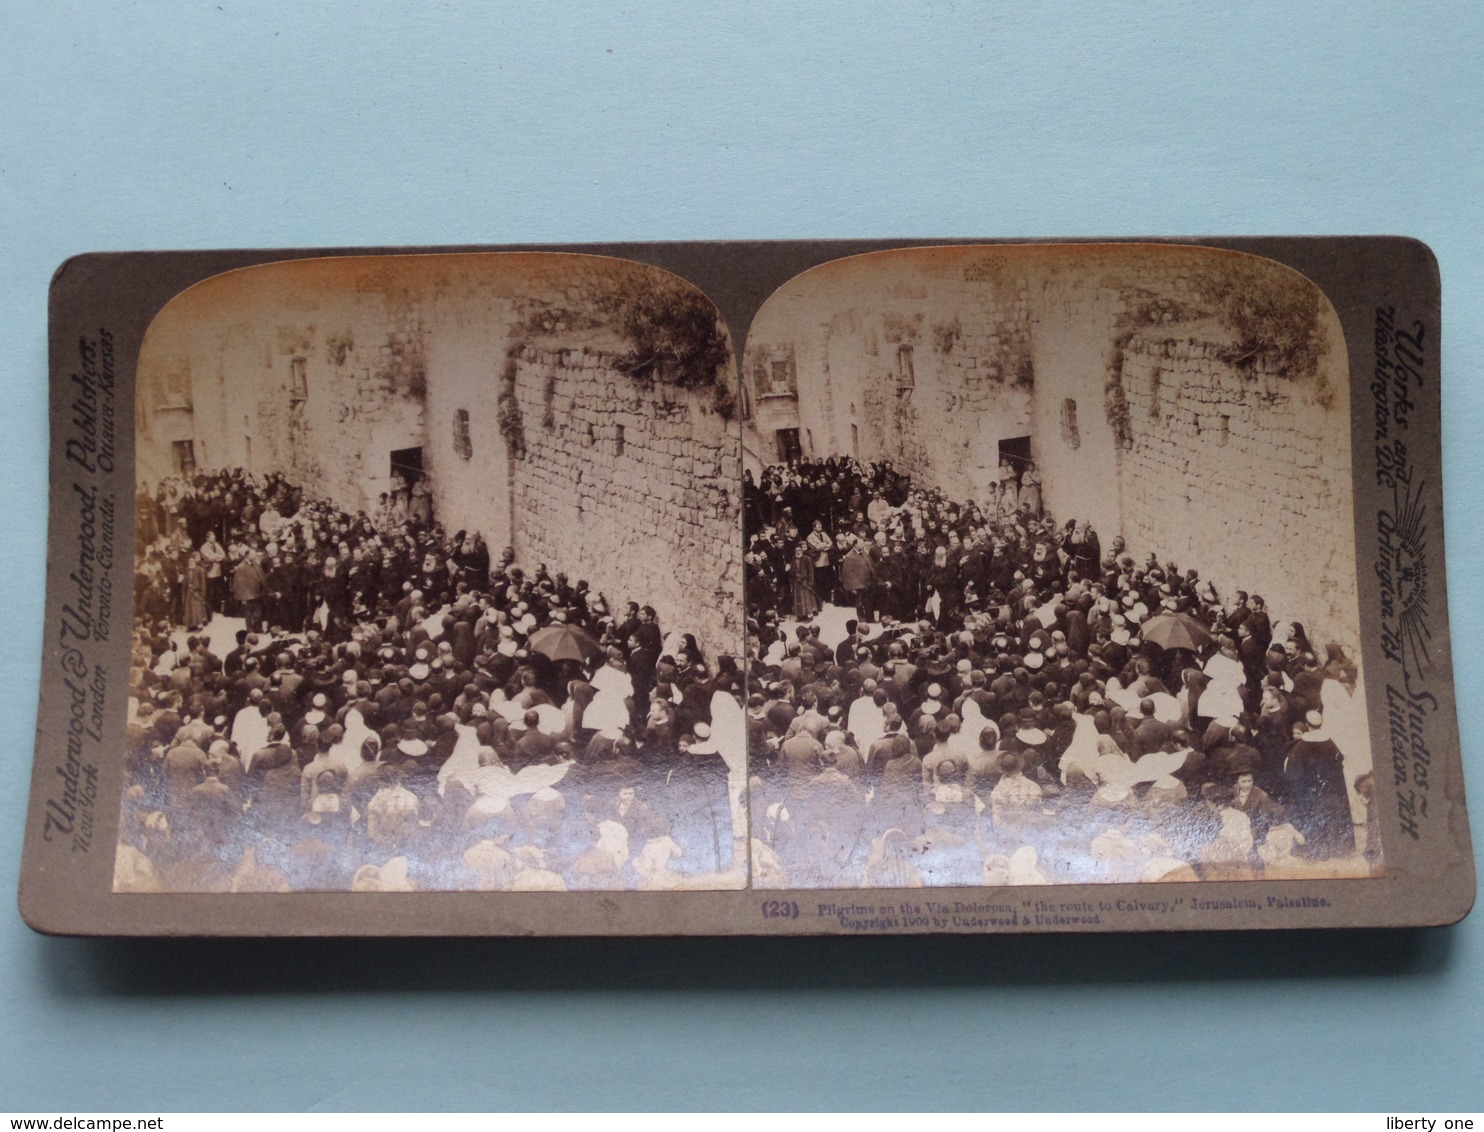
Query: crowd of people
x,y
941,693
393,710
973,693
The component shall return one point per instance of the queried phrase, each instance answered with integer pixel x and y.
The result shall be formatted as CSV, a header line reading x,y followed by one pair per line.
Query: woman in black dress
x,y
1318,803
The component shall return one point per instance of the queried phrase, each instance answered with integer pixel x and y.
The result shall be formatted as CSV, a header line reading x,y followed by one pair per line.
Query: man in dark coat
x,y
247,589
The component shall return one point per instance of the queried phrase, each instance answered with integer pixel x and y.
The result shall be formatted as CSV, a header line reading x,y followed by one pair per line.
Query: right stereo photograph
x,y
1050,573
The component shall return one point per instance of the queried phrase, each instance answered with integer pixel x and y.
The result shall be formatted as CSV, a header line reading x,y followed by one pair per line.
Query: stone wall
x,y
1238,474
635,488
365,383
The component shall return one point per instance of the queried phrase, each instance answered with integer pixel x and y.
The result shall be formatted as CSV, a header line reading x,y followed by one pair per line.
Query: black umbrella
x,y
1175,631
564,642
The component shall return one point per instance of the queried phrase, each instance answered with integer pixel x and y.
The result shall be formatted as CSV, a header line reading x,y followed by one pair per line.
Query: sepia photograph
x,y
1051,573
437,582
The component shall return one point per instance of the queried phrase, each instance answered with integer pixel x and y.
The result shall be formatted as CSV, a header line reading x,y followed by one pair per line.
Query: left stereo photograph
x,y
436,581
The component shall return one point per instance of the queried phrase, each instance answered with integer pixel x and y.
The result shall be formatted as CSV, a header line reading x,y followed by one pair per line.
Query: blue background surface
x,y
192,125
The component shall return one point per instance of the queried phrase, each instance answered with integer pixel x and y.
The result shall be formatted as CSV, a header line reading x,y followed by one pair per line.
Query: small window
x,y
775,377
906,376
298,382
592,435
175,391
462,444
1226,430
618,440
1069,432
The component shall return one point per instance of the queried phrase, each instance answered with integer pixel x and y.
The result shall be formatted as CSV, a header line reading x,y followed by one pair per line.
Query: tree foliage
x,y
672,330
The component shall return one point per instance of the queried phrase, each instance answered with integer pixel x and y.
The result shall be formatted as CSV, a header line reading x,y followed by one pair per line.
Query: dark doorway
x,y
1017,450
184,456
789,450
407,464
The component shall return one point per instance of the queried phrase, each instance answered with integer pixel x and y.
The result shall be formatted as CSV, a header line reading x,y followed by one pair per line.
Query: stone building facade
x,y
1194,401
500,378
321,384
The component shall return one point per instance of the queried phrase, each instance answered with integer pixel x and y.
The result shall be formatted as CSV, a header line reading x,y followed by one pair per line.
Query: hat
x,y
1242,760
1031,736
